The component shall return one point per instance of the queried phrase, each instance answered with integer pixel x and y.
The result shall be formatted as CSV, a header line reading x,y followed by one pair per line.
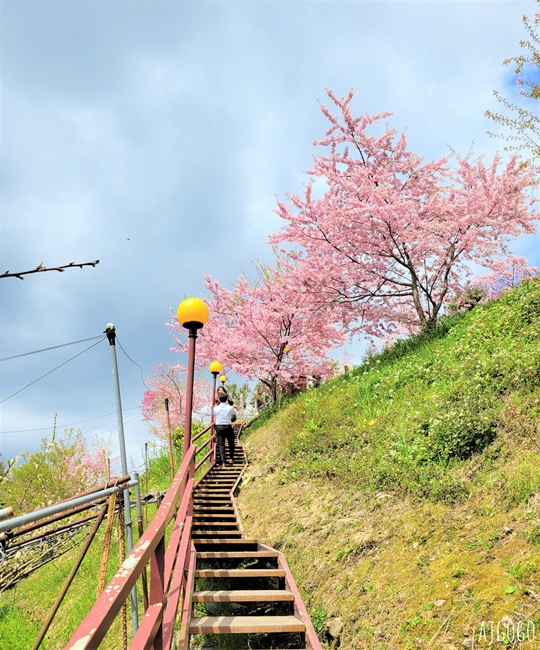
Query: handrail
x,y
204,444
167,570
202,432
62,506
201,462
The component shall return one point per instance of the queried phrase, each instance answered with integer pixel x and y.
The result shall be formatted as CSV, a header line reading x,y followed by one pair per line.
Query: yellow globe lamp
x,y
215,368
223,379
192,313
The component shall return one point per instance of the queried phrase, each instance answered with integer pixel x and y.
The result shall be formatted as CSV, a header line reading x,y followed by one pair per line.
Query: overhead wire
x,y
50,371
71,424
101,427
134,362
54,347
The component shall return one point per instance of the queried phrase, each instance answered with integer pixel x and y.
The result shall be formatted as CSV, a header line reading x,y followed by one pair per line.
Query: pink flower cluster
x,y
382,252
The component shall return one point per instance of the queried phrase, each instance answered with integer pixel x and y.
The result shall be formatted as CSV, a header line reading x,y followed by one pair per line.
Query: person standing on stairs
x,y
224,415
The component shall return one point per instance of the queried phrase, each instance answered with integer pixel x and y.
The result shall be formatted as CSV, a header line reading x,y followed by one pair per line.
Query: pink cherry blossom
x,y
269,330
391,240
506,273
169,382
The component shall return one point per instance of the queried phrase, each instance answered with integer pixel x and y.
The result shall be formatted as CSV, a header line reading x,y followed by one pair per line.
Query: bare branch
x,y
42,268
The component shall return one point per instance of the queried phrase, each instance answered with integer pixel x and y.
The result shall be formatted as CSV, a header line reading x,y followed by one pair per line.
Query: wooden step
x,y
218,499
215,484
215,520
239,573
245,624
215,524
216,533
218,509
214,488
229,555
243,541
211,491
219,517
243,596
215,498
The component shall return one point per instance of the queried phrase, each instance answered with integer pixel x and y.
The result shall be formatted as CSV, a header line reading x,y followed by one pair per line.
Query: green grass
x,y
411,417
443,423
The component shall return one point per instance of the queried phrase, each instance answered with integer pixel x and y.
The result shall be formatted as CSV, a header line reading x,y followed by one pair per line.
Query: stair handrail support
x,y
149,548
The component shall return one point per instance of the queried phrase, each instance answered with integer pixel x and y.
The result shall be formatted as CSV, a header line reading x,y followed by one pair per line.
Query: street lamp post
x,y
215,368
110,331
192,314
171,455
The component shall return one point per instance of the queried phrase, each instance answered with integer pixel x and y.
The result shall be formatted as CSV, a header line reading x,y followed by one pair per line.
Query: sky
x,y
157,136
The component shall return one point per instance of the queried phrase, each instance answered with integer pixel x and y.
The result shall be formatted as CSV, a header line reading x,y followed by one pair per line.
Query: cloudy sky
x,y
156,136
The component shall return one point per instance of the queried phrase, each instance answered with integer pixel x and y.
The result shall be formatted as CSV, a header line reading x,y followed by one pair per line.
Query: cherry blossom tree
x,y
389,240
505,274
267,330
168,382
61,469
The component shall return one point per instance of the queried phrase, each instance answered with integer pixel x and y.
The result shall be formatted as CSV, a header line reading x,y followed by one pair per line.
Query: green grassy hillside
x,y
406,493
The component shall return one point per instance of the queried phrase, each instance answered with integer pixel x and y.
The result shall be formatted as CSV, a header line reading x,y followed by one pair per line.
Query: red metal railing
x,y
169,567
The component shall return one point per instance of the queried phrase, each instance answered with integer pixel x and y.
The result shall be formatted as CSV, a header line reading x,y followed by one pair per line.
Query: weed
x,y
412,623
534,534
458,572
318,618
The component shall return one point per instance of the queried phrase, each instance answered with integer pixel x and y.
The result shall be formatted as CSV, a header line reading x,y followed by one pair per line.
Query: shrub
x,y
460,430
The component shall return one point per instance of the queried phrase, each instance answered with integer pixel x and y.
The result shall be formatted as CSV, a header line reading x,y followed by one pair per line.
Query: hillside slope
x,y
406,493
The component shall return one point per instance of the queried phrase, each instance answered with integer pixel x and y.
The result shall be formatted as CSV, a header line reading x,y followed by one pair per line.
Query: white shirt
x,y
223,413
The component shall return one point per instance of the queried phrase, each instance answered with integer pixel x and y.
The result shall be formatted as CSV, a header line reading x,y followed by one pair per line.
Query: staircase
x,y
241,588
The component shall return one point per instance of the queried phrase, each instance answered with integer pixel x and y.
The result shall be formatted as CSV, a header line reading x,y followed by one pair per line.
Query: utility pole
x,y
110,331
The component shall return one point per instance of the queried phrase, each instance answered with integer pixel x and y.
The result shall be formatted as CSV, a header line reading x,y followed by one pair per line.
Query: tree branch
x,y
42,268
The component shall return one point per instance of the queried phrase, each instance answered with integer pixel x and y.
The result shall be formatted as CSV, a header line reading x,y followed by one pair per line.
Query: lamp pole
x,y
189,389
192,314
171,456
110,331
215,368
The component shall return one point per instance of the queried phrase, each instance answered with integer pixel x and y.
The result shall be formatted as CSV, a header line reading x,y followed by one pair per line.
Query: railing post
x,y
157,585
140,528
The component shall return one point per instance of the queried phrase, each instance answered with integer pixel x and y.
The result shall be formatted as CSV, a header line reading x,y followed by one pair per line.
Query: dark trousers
x,y
224,432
